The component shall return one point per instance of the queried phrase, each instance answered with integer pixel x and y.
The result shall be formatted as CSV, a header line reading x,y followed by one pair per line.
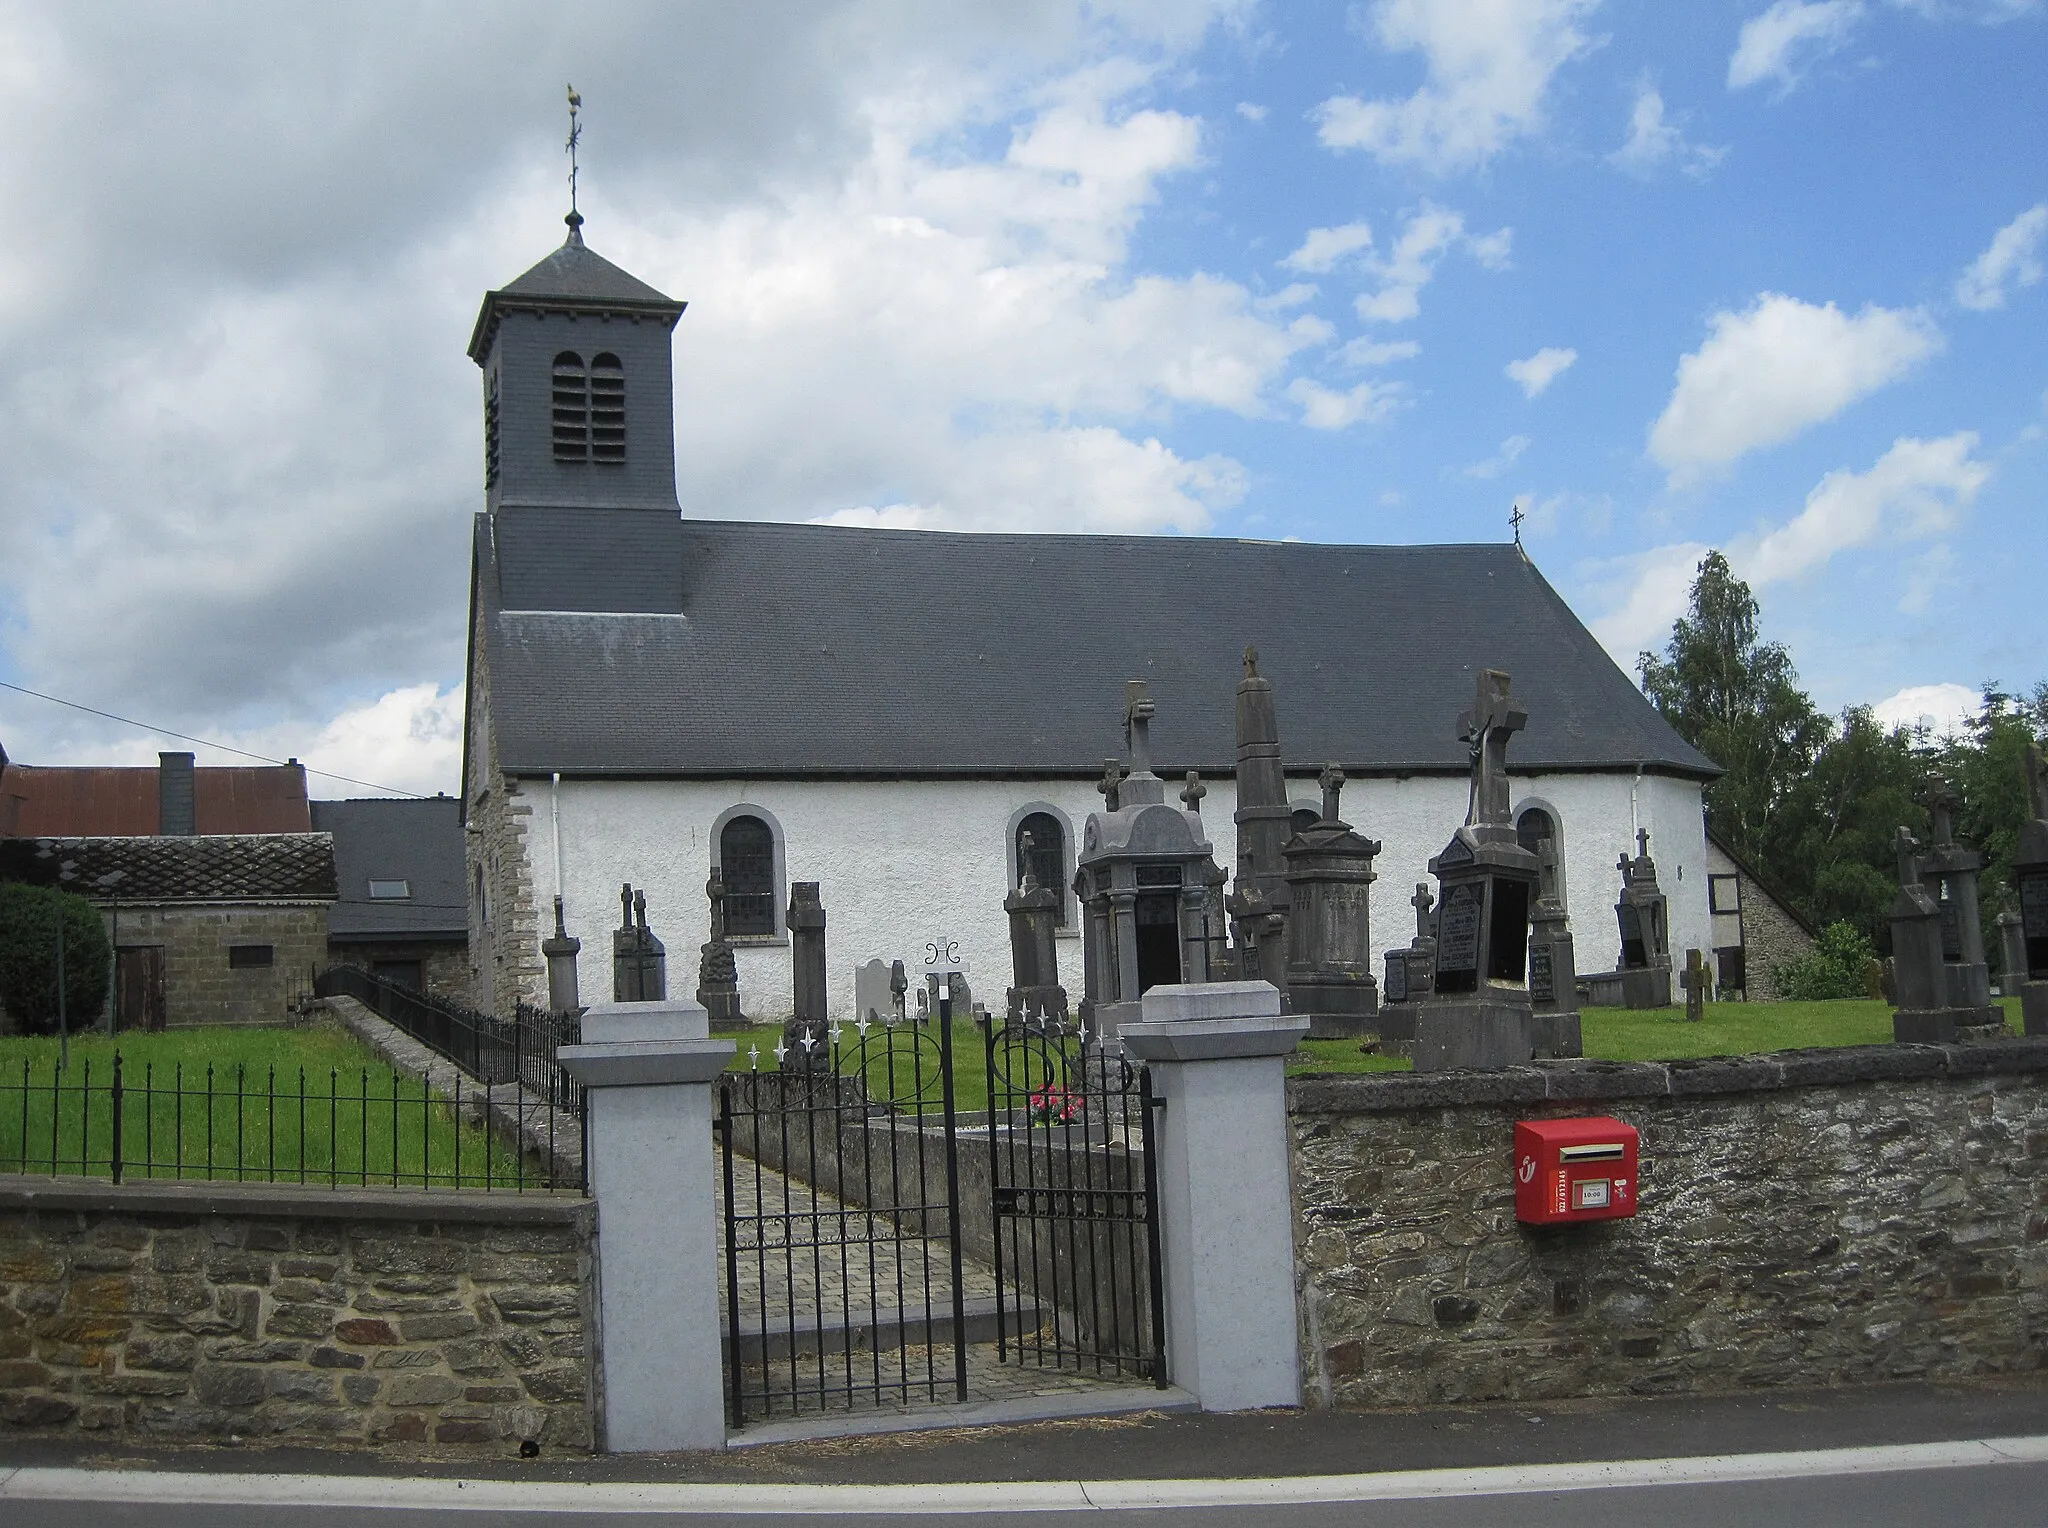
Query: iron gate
x,y
843,1269
1074,1200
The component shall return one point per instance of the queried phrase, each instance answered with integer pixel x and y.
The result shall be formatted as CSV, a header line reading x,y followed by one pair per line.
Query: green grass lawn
x,y
284,1105
1611,1034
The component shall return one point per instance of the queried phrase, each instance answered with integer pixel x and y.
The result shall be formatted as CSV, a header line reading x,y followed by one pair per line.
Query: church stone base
x,y
1337,1026
1646,987
1944,1026
2034,1007
1555,1036
1471,1032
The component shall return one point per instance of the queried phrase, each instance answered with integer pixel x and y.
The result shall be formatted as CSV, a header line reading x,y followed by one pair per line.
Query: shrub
x,y
28,957
1839,965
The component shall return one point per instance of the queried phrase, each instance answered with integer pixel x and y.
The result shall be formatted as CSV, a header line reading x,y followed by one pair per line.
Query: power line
x,y
129,721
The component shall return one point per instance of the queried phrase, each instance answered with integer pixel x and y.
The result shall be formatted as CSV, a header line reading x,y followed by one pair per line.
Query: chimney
x,y
176,814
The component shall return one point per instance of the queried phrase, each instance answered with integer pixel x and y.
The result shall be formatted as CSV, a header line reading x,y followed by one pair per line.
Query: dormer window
x,y
390,891
571,408
607,409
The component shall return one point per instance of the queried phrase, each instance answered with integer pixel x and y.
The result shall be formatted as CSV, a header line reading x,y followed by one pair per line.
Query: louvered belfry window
x,y
607,409
572,408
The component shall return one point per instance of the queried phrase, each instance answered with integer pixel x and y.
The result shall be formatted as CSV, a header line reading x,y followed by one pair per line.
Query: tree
x,y
1831,846
1738,701
1987,767
28,957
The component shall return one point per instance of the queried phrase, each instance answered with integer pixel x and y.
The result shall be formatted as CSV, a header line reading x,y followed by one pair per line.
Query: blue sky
x,y
1759,277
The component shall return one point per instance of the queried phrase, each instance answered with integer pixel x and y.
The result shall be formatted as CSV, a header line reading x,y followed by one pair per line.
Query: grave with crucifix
x,y
1949,871
1644,914
1035,999
1330,981
803,1035
1478,1015
1258,896
1148,883
1919,985
639,960
718,976
1411,977
2030,878
1554,1029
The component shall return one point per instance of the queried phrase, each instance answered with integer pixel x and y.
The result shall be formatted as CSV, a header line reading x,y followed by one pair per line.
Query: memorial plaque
x,y
1457,929
1542,984
1396,984
1632,950
2034,906
1951,929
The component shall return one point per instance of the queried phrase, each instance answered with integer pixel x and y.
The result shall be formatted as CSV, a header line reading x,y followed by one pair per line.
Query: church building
x,y
896,715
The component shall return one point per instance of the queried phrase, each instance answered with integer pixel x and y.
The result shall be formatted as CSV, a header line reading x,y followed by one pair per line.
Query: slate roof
x,y
418,842
761,650
242,867
574,277
62,801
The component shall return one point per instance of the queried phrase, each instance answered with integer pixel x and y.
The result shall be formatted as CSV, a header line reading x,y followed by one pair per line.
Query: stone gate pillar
x,y
1226,1205
650,1068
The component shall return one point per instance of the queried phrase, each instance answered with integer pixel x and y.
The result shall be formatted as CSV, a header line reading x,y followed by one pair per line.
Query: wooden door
x,y
139,988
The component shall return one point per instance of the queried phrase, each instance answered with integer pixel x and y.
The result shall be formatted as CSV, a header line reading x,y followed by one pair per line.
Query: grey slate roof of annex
x,y
758,650
211,867
385,838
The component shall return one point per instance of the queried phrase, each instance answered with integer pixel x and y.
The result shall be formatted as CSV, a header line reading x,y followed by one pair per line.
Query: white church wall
x,y
899,862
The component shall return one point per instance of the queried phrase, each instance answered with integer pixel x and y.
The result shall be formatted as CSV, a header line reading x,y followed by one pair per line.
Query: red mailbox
x,y
1574,1169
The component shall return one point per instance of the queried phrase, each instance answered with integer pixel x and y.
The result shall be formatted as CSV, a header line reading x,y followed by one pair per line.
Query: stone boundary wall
x,y
191,1310
1807,1218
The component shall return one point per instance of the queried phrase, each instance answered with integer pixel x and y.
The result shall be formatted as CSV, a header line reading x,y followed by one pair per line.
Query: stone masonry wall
x,y
504,931
203,1311
444,967
1807,1218
200,987
1770,939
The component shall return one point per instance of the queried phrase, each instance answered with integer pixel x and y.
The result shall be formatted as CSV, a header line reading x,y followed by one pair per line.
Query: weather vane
x,y
575,137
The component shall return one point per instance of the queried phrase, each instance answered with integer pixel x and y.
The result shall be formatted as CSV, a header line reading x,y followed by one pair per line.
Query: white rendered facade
x,y
900,861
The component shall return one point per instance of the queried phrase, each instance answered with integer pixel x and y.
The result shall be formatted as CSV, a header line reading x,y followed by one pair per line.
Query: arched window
x,y
571,408
1536,821
607,408
1041,848
746,856
1302,818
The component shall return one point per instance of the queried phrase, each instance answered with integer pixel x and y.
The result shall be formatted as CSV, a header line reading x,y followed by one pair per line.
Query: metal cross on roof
x,y
1515,518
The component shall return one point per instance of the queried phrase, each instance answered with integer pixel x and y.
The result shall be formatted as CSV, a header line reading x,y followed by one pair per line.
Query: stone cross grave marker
x,y
1486,729
1192,793
1694,979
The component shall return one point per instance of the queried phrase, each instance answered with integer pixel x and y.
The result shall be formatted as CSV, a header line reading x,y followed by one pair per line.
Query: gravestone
x,y
2012,953
1257,904
1417,964
1478,1012
873,1000
1554,1027
1919,985
1644,916
1035,998
560,952
2030,878
718,973
899,990
807,1047
639,960
1949,871
1330,980
1149,887
1695,979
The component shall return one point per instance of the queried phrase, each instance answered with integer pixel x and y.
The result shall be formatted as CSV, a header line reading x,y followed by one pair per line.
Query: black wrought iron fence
x,y
334,1127
492,1050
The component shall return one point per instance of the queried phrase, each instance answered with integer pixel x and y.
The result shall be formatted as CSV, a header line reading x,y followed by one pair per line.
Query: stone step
x,y
886,1329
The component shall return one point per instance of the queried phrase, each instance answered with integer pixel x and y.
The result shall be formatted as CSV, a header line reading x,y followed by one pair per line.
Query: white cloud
x,y
1489,67
1914,491
1946,710
1325,409
1509,453
1251,112
1771,371
1429,235
2010,261
1646,592
1366,352
1534,373
1655,140
1788,39
1323,248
